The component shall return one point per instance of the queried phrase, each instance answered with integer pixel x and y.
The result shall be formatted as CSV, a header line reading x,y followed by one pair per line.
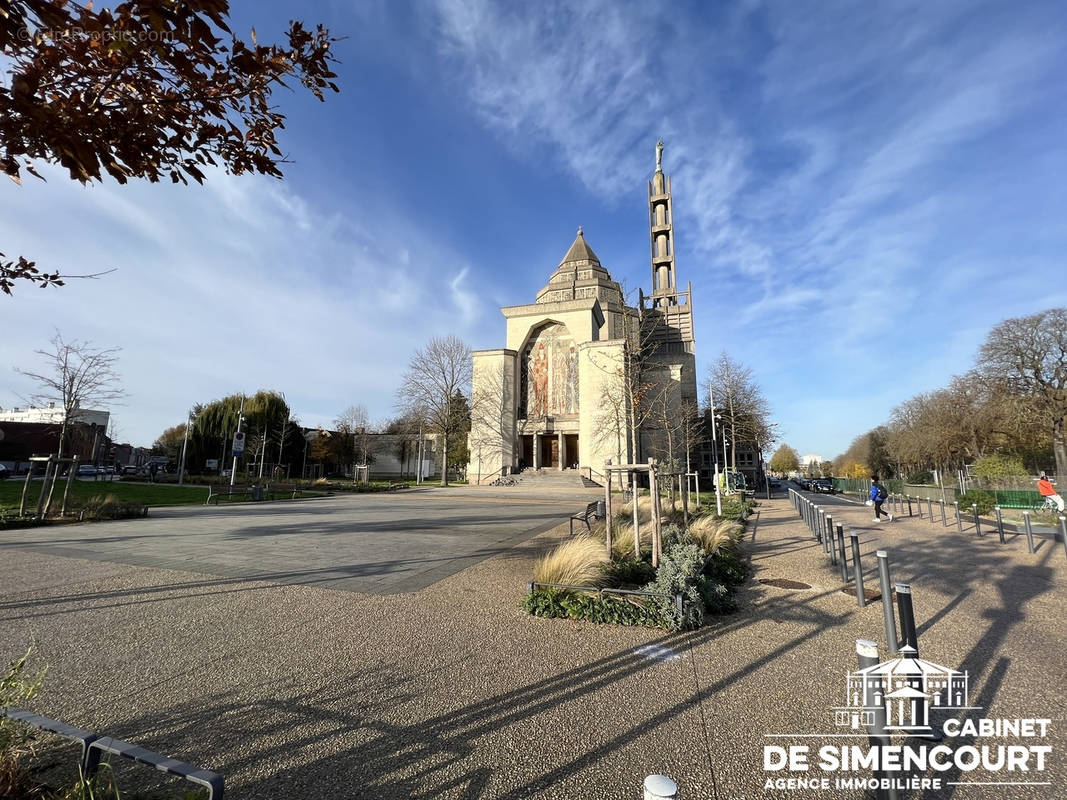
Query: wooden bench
x,y
584,516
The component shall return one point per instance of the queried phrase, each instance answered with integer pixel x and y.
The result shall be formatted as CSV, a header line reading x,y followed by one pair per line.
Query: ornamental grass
x,y
576,562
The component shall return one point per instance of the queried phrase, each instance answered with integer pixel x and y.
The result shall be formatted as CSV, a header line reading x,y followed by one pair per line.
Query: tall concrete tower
x,y
668,316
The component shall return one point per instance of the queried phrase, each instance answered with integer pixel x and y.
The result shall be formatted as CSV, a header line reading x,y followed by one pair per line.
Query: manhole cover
x,y
871,595
783,583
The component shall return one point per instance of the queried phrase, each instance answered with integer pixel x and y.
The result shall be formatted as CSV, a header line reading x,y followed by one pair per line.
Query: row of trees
x,y
1012,403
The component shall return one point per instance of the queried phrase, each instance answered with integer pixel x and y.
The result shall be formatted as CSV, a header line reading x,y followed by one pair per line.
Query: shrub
x,y
17,686
680,572
594,608
984,500
110,507
999,465
576,562
921,478
628,574
723,573
644,509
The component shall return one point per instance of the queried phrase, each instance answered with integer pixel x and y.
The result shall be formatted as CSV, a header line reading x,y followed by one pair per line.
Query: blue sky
x,y
860,190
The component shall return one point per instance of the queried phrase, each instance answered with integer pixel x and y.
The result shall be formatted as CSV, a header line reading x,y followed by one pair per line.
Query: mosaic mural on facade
x,y
549,373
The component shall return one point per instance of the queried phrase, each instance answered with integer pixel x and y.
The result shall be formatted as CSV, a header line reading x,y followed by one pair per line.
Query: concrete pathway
x,y
301,691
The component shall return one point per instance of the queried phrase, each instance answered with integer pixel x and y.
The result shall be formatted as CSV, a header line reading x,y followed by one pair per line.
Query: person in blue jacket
x,y
879,496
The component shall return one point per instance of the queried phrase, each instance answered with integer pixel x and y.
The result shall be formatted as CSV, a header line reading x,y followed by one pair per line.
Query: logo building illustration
x,y
907,687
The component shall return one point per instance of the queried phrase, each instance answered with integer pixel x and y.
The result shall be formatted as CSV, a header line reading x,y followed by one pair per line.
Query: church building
x,y
583,377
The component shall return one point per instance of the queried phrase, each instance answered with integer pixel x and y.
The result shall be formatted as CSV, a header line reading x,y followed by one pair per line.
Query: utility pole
x,y
240,420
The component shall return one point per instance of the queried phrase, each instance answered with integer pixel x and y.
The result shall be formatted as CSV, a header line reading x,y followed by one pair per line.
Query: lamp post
x,y
240,420
185,443
714,455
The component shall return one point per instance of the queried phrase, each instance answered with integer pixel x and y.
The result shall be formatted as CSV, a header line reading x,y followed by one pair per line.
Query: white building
x,y
54,416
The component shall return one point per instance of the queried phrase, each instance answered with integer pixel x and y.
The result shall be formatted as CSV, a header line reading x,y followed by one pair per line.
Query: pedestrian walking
x,y
878,496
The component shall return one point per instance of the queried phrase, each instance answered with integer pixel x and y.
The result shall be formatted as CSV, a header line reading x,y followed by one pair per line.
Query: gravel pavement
x,y
293,689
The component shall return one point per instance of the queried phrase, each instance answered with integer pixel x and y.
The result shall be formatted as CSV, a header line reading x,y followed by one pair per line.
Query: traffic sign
x,y
238,444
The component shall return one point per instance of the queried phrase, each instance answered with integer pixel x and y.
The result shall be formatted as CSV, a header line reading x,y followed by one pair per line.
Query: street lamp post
x,y
185,443
715,457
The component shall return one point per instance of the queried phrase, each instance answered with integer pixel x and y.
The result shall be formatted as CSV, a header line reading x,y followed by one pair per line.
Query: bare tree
x,y
1026,357
355,424
76,377
434,374
740,404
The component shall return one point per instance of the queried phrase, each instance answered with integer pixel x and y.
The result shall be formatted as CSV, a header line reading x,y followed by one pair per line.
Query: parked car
x,y
824,485
87,471
130,469
774,483
4,472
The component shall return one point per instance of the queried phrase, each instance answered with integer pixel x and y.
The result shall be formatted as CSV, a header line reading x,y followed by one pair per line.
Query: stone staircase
x,y
550,478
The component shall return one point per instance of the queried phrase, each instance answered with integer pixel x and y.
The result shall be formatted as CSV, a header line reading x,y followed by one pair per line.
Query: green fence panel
x,y
1007,498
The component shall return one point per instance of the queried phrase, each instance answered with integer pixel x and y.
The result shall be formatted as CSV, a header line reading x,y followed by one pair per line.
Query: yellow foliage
x,y
854,469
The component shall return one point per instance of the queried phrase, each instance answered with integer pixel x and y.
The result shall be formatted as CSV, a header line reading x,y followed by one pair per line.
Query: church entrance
x,y
570,444
527,452
549,451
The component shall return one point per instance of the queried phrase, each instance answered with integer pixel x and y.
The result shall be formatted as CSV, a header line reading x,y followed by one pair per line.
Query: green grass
x,y
80,491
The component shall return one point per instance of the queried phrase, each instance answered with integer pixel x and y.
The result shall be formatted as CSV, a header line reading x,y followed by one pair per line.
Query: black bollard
x,y
842,554
908,637
1029,531
1000,524
909,504
977,524
857,570
887,602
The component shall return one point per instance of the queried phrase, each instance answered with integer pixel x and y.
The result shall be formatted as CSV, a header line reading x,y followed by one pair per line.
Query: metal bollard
x,y
909,504
1000,524
828,526
857,570
887,602
908,637
660,787
977,524
919,505
867,657
959,522
944,520
841,552
930,508
831,546
1063,532
1029,531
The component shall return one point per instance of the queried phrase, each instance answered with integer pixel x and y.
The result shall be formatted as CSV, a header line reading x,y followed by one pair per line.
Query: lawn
x,y
144,493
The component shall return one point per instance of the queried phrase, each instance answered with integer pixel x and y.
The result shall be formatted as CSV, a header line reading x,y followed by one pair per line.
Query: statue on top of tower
x,y
659,156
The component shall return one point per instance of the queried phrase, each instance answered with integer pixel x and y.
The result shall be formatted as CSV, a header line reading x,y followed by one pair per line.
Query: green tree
x,y
999,465
1025,358
785,460
459,426
153,89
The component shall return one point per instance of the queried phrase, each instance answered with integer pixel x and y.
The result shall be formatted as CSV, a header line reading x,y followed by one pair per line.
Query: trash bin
x,y
601,509
257,492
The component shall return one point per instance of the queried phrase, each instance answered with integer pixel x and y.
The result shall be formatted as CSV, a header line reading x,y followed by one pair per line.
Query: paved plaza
x,y
424,677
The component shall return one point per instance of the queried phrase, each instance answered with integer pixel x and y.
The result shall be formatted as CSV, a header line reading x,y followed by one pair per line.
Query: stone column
x,y
537,451
562,450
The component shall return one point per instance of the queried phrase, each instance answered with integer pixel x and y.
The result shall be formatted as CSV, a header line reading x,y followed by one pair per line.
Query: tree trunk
x,y
1059,445
444,459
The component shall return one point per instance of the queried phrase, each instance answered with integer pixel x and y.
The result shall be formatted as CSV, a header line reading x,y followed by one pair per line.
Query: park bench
x,y
590,513
215,491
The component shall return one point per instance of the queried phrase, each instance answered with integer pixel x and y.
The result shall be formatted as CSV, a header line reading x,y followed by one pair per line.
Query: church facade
x,y
583,377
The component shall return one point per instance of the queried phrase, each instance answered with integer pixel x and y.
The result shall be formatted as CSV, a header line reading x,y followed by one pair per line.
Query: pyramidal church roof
x,y
580,275
580,251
